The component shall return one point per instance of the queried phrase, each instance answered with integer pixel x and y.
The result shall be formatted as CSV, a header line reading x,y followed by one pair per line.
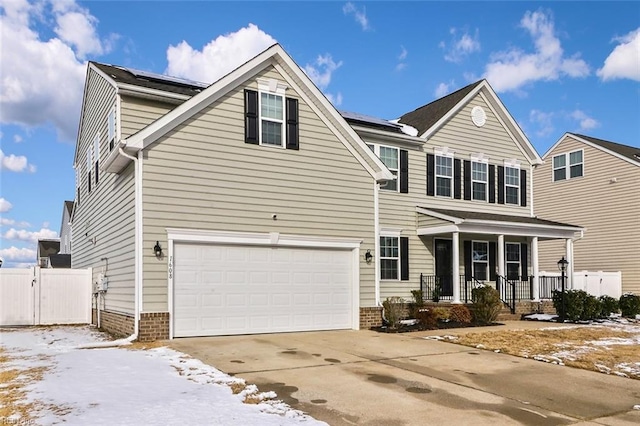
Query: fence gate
x,y
36,296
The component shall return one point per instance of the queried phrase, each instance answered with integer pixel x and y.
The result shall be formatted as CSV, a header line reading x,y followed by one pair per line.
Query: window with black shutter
x,y
271,119
404,258
467,179
457,179
500,184
431,175
523,188
404,171
292,123
492,183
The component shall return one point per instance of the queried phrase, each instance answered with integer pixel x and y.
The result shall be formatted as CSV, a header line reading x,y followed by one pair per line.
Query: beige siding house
x,y
594,183
252,205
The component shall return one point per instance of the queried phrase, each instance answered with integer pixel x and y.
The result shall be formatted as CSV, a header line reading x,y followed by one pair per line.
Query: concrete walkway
x,y
369,378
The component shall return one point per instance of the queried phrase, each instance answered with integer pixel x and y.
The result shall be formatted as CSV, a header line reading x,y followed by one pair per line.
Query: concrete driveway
x,y
369,378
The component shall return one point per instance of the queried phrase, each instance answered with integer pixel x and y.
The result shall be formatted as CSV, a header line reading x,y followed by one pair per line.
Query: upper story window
x,y
89,166
444,175
111,128
390,156
271,119
479,180
96,156
575,163
512,185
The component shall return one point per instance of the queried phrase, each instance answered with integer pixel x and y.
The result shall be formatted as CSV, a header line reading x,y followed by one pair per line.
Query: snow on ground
x,y
116,385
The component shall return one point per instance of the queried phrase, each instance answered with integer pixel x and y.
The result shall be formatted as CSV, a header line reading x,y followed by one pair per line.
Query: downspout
x,y
376,220
531,169
137,243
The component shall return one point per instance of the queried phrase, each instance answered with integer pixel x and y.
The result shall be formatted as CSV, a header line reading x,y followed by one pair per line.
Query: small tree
x,y
486,304
417,303
608,306
629,305
393,307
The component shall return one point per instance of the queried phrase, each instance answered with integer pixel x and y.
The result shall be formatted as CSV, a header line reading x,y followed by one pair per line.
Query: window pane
x,y
271,133
271,106
513,252
480,271
479,191
511,193
575,157
576,171
559,174
443,187
512,176
389,157
513,271
480,251
388,269
388,247
559,161
479,171
444,166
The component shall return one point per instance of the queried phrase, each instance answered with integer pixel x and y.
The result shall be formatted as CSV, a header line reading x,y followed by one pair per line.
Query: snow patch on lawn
x,y
113,385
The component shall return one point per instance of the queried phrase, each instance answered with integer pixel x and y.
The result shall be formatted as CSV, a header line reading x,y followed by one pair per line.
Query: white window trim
x,y
390,233
444,153
567,165
277,88
506,261
376,151
473,261
485,161
515,166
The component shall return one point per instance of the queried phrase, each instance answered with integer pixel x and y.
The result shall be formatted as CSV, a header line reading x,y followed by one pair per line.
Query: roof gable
x,y
624,152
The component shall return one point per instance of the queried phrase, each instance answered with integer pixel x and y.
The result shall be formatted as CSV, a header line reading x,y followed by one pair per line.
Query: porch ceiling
x,y
495,224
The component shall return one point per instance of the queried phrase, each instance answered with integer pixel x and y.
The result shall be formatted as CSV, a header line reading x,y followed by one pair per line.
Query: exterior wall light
x,y
157,250
368,256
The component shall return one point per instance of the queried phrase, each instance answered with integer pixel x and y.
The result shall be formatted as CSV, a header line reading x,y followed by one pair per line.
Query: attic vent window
x,y
478,116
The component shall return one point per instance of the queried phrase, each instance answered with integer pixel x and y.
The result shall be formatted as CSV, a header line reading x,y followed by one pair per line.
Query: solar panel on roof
x,y
368,119
161,77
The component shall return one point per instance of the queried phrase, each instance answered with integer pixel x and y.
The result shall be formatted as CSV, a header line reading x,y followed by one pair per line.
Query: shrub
x,y
608,306
591,308
486,304
416,304
442,314
579,305
629,305
393,308
427,319
460,313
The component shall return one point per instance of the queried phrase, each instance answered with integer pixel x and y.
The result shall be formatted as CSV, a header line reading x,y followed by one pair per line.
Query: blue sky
x,y
557,66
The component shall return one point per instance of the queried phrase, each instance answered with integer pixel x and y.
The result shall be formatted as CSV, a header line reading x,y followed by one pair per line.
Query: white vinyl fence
x,y
597,283
36,296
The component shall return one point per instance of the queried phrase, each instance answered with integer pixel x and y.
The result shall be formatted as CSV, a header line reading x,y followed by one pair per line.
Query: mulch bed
x,y
442,325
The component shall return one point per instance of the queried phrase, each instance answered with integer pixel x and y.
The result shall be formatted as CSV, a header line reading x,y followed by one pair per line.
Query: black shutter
x,y
492,183
500,184
404,171
468,271
457,179
404,258
431,174
292,124
251,116
523,188
467,179
524,261
492,260
89,181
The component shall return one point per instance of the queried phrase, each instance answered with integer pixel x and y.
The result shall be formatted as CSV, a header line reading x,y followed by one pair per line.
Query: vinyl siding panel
x,y
138,113
103,224
425,221
204,176
610,212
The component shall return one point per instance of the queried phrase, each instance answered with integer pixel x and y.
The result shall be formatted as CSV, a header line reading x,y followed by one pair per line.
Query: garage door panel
x,y
222,290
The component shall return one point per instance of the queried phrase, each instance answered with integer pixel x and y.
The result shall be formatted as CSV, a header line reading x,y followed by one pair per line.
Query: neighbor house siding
x,y
138,113
610,212
103,222
204,176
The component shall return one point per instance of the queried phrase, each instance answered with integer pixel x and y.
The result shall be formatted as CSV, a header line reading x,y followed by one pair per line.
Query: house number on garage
x,y
170,266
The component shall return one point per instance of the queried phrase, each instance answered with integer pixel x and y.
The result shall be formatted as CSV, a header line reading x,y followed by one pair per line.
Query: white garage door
x,y
223,289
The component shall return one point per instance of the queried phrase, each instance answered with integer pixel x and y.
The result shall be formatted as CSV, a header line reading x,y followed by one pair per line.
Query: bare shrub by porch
x,y
486,304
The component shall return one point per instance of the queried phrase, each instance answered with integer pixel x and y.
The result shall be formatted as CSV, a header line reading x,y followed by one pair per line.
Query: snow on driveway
x,y
119,386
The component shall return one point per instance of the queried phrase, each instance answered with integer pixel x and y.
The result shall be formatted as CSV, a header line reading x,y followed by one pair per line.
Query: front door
x,y
444,274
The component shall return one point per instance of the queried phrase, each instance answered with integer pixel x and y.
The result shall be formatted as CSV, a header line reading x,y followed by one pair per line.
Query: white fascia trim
x,y
394,138
133,90
355,289
521,231
436,230
523,225
390,232
263,239
455,220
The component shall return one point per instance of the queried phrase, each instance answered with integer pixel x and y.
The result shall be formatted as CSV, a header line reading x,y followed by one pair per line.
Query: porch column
x,y
501,261
455,237
569,257
535,291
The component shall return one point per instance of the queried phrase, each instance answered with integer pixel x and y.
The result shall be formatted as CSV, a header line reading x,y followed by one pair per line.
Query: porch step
x,y
506,315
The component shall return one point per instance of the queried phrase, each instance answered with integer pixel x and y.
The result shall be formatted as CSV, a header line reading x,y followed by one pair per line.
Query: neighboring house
x,y
45,249
595,183
65,228
252,205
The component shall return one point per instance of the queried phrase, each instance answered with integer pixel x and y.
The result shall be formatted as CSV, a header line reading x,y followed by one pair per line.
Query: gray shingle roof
x,y
123,75
428,115
630,152
498,217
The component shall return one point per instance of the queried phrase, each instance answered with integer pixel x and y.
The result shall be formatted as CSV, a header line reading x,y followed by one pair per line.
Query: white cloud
x,y
43,76
624,60
336,100
219,56
360,15
17,138
15,163
10,222
543,121
15,254
321,70
511,69
5,206
443,89
403,55
460,46
586,122
31,236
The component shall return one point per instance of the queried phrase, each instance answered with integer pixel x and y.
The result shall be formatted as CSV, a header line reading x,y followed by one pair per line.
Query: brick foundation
x,y
370,317
528,307
120,325
153,326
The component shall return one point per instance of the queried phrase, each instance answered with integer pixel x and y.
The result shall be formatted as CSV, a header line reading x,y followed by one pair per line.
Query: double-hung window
x,y
389,258
390,157
480,257
512,185
444,175
271,119
479,180
575,163
513,260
